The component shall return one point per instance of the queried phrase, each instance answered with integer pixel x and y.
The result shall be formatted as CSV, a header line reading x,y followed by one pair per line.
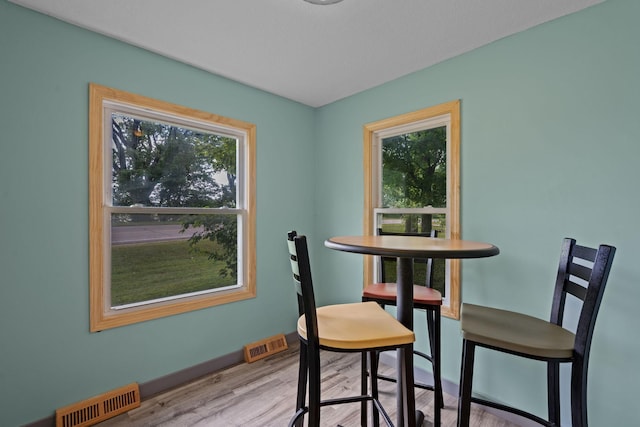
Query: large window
x,y
172,212
412,186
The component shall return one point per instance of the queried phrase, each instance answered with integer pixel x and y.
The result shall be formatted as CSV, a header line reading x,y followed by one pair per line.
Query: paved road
x,y
148,233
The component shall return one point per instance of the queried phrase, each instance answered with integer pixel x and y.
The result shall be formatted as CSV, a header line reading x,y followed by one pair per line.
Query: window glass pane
x,y
416,223
414,169
413,223
155,256
413,186
419,273
162,165
172,210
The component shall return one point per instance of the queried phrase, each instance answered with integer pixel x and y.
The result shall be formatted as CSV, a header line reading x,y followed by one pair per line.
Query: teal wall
x,y
550,135
48,358
549,148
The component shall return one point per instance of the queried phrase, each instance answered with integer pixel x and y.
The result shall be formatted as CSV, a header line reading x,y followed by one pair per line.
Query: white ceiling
x,y
314,54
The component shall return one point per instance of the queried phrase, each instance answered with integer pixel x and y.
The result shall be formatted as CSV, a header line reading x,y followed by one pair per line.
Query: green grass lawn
x,y
142,272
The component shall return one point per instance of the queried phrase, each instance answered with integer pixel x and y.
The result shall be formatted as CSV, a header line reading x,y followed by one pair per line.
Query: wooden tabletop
x,y
412,246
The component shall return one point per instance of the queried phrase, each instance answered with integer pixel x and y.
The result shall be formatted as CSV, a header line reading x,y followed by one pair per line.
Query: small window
x,y
172,212
412,186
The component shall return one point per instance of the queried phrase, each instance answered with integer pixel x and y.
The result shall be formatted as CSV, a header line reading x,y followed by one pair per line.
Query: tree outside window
x,y
412,186
414,176
172,214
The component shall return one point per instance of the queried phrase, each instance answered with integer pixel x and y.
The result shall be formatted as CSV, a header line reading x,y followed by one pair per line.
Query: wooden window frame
x,y
452,109
101,315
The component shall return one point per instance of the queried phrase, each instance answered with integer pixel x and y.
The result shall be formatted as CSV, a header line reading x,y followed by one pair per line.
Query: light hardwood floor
x,y
262,394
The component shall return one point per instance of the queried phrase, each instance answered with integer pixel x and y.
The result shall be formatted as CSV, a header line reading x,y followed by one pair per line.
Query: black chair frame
x,y
591,297
309,364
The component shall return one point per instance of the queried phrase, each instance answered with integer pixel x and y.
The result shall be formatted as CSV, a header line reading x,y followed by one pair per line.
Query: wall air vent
x,y
99,408
266,347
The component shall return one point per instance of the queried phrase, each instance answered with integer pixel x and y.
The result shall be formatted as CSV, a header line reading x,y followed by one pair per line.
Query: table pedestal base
x,y
404,304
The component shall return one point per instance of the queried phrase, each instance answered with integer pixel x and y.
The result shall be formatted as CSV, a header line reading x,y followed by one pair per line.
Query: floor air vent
x,y
261,349
99,408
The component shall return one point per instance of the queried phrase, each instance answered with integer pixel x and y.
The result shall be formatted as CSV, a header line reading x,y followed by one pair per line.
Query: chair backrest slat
x,y
585,253
301,272
294,266
583,273
429,262
580,266
576,290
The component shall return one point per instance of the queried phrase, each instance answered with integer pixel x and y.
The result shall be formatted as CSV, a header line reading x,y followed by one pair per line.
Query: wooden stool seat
x,y
388,292
357,326
515,332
